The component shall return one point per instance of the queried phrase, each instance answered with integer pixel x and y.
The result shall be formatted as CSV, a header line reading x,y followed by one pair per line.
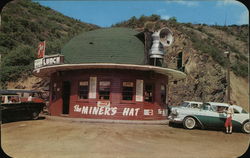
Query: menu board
x,y
139,91
92,87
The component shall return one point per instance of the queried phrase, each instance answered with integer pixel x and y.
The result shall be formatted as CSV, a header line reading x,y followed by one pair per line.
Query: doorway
x,y
66,97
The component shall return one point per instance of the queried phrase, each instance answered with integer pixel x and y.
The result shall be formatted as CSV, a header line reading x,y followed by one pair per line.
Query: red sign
x,y
41,50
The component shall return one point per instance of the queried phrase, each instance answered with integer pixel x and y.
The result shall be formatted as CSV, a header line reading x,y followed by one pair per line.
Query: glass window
x,y
148,94
127,90
163,94
83,90
104,90
236,111
194,105
184,104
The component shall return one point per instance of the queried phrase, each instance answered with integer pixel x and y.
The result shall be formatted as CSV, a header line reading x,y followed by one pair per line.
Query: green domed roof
x,y
111,45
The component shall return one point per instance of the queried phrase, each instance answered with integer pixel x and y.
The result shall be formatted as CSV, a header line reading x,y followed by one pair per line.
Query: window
x,y
236,111
148,94
83,90
127,90
163,94
104,90
194,105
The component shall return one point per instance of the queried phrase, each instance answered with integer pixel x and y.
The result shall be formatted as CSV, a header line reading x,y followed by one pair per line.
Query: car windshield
x,y
184,104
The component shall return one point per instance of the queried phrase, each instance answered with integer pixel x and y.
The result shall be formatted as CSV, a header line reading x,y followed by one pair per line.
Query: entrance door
x,y
66,97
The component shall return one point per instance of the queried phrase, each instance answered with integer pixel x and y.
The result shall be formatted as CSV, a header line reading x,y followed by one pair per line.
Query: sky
x,y
107,12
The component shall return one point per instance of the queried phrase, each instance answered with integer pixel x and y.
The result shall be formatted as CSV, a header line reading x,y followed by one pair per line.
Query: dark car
x,y
14,105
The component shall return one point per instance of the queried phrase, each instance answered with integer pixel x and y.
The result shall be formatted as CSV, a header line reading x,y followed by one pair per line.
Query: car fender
x,y
200,123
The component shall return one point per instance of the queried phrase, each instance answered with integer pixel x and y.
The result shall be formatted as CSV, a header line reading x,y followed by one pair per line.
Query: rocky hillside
x,y
204,60
23,25
202,47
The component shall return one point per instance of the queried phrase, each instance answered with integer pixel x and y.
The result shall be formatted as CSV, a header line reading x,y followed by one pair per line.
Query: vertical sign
x,y
92,87
41,50
139,91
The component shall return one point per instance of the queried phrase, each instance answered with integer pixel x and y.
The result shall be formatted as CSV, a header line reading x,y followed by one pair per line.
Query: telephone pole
x,y
228,76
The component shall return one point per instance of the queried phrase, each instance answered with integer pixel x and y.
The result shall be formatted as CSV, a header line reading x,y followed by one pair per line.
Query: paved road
x,y
65,139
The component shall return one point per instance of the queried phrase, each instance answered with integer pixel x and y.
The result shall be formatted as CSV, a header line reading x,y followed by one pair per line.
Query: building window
x,y
163,94
148,93
127,90
83,90
104,90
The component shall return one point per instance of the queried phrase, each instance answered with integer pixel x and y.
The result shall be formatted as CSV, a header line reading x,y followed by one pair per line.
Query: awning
x,y
173,75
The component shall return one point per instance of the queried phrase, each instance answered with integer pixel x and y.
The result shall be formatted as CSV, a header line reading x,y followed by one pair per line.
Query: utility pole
x,y
228,76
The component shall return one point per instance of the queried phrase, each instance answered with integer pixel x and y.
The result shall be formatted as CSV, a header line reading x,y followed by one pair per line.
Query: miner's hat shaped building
x,y
111,73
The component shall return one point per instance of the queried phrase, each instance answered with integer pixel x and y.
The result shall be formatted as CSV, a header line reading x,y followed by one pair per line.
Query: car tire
x,y
35,115
246,127
189,123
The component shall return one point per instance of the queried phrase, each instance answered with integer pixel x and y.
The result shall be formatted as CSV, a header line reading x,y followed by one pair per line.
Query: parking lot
x,y
72,139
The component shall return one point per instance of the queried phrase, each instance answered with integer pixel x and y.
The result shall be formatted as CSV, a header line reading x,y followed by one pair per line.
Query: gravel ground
x,y
70,139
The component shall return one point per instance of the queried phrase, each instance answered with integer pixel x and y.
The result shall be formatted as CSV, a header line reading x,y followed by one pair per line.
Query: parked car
x,y
14,106
210,115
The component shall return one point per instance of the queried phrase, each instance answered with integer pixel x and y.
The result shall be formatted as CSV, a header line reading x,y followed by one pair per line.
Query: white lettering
x,y
95,110
131,113
101,111
125,111
136,111
114,110
77,108
106,112
85,109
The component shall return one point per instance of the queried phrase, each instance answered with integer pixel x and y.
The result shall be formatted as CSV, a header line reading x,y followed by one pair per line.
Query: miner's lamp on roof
x,y
110,67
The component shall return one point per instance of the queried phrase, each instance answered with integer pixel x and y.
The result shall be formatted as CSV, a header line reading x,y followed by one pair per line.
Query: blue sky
x,y
107,12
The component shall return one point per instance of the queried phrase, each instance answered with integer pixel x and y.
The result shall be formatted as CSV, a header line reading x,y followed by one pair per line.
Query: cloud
x,y
186,3
228,2
244,18
165,17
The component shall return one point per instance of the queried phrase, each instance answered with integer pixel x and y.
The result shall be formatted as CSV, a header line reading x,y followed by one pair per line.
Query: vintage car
x,y
210,115
14,105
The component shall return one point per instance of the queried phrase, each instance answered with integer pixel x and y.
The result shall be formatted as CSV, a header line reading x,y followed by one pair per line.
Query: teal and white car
x,y
210,115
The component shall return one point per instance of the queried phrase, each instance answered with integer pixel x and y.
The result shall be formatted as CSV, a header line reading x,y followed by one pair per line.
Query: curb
x,y
149,122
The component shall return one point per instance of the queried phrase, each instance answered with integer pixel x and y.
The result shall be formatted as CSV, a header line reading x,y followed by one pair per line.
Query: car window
x,y
194,105
244,111
236,111
206,106
184,104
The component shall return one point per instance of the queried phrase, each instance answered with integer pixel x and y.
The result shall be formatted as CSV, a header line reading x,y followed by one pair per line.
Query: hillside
x,y
24,24
204,61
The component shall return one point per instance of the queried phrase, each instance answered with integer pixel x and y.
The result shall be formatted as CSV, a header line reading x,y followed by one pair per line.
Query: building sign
x,y
92,87
107,111
103,103
48,61
139,91
148,112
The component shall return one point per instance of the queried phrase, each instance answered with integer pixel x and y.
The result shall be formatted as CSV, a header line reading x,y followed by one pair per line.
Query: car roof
x,y
194,102
7,92
11,91
217,103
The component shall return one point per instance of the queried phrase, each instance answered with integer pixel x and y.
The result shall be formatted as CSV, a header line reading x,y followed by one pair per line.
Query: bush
x,y
17,63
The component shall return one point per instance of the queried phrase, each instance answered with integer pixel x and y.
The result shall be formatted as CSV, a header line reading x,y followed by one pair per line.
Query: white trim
x,y
48,70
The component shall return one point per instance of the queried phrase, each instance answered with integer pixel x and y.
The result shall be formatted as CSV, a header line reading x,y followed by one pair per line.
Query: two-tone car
x,y
15,106
210,115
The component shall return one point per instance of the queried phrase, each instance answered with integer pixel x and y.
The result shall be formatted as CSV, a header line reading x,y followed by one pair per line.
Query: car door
x,y
205,115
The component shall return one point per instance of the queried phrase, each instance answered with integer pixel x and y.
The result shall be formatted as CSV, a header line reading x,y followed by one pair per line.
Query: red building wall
x,y
118,109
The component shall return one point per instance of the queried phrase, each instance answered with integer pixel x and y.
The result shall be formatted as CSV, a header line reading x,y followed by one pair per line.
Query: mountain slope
x,y
203,59
24,24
